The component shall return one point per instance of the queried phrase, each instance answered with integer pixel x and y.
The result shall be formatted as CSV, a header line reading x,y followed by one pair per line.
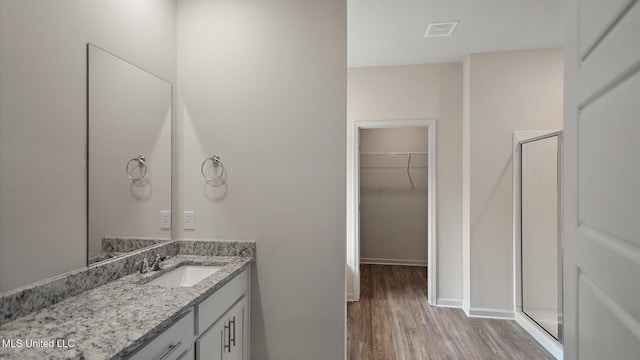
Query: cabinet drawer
x,y
219,302
174,343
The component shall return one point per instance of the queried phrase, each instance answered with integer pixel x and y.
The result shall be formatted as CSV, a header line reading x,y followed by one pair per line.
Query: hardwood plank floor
x,y
393,321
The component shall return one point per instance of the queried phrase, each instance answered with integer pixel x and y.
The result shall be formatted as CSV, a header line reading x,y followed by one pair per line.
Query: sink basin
x,y
184,276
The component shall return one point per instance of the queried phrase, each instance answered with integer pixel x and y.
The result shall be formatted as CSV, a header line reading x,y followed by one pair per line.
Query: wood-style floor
x,y
393,321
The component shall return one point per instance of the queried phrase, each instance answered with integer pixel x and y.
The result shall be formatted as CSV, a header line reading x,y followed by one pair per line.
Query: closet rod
x,y
392,153
393,167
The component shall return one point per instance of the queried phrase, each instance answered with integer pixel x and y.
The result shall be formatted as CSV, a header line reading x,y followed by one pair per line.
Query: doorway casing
x,y
353,201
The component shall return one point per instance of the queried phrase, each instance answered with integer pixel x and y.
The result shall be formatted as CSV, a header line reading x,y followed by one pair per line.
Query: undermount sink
x,y
184,276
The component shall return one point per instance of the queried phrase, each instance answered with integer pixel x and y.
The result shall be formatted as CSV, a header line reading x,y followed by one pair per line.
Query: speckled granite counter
x,y
114,320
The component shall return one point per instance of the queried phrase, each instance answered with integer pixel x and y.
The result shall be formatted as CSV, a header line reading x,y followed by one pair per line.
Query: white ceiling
x,y
391,32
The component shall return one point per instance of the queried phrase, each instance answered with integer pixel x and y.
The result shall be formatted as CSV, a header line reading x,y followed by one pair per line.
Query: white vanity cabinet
x,y
223,322
175,343
225,339
216,328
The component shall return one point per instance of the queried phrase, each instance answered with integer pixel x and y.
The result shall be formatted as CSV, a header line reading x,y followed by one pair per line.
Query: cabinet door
x,y
211,345
226,339
237,319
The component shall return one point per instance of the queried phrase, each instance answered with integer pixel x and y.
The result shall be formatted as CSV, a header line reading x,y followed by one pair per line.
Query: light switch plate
x,y
165,220
189,220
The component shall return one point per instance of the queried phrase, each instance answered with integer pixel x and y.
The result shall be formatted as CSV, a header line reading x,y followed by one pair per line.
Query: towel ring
x,y
215,161
141,163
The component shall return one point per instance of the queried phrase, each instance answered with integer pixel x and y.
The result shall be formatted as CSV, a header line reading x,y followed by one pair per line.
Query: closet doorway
x,y
392,198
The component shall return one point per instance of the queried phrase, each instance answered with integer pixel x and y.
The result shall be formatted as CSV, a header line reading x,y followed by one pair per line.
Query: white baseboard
x,y
547,341
350,297
490,313
450,303
379,261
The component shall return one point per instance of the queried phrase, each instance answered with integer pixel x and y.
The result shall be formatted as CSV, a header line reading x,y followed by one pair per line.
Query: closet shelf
x,y
393,167
393,153
393,160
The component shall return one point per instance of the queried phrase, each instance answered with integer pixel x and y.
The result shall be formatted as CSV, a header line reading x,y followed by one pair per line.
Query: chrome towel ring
x,y
140,159
215,161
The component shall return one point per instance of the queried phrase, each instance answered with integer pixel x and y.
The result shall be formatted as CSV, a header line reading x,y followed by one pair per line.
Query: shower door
x,y
541,272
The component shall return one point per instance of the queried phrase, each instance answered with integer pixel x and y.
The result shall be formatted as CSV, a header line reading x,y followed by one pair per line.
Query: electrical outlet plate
x,y
189,220
165,220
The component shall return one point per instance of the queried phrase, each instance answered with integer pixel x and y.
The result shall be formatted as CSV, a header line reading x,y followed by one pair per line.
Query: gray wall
x,y
431,91
507,91
263,84
393,207
43,65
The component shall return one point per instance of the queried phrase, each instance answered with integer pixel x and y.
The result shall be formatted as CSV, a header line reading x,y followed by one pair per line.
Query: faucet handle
x,y
156,263
144,266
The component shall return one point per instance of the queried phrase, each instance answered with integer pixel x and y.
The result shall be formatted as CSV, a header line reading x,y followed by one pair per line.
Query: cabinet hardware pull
x,y
234,332
227,344
184,353
172,348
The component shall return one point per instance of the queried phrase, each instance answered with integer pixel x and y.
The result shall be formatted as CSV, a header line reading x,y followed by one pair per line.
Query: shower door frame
x,y
534,329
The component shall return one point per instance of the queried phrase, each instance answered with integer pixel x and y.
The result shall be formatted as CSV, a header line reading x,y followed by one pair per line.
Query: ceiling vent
x,y
437,29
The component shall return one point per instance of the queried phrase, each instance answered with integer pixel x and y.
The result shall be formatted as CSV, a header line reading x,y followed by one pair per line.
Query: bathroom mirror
x,y
541,248
129,156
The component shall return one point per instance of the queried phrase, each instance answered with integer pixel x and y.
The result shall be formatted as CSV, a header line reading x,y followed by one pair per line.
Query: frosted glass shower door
x,y
541,271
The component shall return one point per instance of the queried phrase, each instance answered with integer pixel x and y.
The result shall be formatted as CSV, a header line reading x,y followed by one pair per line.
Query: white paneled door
x,y
601,232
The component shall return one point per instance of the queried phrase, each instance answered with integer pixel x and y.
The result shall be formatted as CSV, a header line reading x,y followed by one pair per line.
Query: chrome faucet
x,y
144,267
155,265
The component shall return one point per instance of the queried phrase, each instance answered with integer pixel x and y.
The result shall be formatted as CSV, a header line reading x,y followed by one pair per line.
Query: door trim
x,y
353,199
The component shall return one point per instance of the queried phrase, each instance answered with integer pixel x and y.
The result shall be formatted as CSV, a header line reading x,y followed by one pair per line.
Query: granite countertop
x,y
114,320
